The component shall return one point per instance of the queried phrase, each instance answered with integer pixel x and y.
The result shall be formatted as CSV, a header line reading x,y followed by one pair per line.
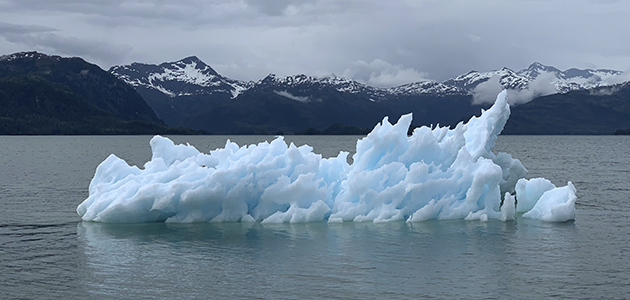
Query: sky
x,y
377,42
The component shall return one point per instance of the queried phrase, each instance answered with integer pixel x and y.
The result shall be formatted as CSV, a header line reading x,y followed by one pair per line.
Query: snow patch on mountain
x,y
535,81
238,89
189,73
426,87
374,94
505,76
28,54
190,76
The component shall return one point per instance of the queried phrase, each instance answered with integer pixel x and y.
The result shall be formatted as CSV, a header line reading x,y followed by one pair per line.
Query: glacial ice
x,y
436,173
553,204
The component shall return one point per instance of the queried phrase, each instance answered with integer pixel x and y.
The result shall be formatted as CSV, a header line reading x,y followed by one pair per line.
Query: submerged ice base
x,y
435,173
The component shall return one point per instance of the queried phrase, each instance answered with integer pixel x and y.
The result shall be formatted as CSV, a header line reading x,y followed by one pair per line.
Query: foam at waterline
x,y
432,174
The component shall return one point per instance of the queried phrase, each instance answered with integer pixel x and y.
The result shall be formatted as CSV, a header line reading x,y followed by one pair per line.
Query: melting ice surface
x,y
432,174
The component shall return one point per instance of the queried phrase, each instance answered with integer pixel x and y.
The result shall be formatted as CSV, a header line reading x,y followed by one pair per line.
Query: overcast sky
x,y
382,43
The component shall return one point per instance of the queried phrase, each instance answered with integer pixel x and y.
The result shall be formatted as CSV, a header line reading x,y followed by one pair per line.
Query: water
x,y
46,252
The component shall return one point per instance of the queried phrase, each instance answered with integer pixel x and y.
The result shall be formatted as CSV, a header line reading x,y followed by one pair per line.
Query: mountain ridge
x,y
47,94
562,81
209,101
52,91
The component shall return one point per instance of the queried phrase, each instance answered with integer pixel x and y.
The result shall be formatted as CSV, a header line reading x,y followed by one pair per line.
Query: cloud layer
x,y
383,74
383,43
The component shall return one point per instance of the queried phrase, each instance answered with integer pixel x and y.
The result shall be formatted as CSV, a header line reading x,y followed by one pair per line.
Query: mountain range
x,y
191,76
190,93
44,94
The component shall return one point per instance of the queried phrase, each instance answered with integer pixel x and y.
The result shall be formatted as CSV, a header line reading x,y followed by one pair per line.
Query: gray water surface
x,y
47,252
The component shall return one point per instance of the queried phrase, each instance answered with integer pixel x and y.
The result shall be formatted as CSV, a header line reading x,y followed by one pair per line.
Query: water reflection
x,y
524,259
362,260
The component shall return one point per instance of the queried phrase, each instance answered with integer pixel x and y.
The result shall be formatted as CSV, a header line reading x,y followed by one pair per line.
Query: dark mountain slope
x,y
178,90
596,111
190,93
42,94
265,110
86,80
274,106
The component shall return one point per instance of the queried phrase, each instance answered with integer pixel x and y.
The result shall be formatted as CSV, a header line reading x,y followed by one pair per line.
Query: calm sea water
x,y
47,252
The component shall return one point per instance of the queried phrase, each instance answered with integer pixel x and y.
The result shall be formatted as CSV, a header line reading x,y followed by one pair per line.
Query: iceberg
x,y
550,203
436,173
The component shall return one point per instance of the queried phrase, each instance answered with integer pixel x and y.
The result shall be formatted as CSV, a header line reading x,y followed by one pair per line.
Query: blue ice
x,y
436,173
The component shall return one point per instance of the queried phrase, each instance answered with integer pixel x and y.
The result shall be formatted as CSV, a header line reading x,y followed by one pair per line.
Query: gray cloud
x,y
605,91
383,74
293,97
625,76
47,40
542,85
140,9
16,29
277,7
486,92
247,39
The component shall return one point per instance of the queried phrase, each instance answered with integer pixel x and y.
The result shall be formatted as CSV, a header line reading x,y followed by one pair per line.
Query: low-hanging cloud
x,y
542,85
616,79
486,92
604,91
288,95
383,74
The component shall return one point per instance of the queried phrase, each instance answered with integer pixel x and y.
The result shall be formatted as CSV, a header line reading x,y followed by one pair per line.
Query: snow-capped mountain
x,y
191,94
306,86
536,69
507,78
561,81
189,76
303,81
344,85
28,55
426,88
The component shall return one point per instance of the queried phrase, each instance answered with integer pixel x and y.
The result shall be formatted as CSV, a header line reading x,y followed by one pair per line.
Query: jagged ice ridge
x,y
435,173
